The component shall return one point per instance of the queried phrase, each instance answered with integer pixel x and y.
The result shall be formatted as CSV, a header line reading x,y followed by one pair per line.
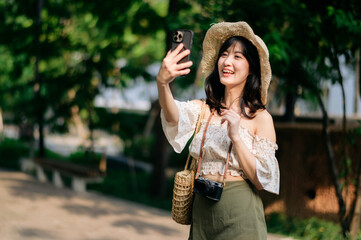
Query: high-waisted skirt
x,y
238,215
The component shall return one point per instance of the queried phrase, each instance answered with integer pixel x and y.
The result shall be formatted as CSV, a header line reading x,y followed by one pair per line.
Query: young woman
x,y
237,70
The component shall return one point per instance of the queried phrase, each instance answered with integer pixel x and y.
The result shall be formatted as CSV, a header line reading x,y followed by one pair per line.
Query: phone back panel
x,y
185,37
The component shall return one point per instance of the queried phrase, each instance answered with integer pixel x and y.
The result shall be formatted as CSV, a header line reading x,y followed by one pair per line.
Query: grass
x,y
306,229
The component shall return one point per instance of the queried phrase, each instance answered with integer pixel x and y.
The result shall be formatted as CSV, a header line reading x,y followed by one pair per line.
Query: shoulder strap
x,y
199,120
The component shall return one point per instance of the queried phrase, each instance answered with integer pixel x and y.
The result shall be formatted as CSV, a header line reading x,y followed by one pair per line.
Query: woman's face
x,y
233,67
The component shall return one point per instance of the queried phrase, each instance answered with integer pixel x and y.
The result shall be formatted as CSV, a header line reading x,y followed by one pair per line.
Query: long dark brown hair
x,y
251,96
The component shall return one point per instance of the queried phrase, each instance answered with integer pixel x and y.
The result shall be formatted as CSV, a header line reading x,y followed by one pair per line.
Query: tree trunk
x,y
161,149
153,115
38,84
91,147
1,122
344,122
291,98
347,218
357,81
41,135
289,115
160,156
332,160
356,219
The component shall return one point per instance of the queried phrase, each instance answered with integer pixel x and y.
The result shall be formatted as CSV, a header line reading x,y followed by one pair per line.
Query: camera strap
x,y
201,151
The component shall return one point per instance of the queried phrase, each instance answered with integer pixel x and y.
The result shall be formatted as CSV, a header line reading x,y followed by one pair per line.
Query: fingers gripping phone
x,y
185,37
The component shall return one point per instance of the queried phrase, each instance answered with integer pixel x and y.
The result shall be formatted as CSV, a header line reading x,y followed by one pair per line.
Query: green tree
x,y
54,62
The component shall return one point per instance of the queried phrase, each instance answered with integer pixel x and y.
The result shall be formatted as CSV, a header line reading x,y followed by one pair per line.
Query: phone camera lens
x,y
178,37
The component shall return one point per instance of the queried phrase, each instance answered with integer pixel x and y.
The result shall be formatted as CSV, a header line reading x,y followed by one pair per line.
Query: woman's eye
x,y
224,54
238,56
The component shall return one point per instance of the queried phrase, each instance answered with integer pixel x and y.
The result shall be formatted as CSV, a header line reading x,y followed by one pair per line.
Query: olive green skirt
x,y
238,215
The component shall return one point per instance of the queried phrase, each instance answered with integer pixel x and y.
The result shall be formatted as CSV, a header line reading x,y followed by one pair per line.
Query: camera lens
x,y
179,36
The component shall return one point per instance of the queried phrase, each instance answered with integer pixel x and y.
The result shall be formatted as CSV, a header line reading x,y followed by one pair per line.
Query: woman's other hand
x,y
233,122
170,69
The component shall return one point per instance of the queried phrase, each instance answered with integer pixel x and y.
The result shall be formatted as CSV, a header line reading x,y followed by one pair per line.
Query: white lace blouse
x,y
216,146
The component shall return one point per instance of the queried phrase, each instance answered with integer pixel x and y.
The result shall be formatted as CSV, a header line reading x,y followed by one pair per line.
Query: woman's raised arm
x,y
169,70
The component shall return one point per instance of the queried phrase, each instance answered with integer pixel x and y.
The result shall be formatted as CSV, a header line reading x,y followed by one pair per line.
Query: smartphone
x,y
185,37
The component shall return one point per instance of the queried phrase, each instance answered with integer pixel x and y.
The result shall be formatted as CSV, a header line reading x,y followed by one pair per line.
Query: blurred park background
x,y
78,94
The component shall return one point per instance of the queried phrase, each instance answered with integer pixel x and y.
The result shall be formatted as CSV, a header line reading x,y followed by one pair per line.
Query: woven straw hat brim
x,y
219,33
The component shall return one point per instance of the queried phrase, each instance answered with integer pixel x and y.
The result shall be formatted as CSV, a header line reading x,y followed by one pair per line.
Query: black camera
x,y
208,188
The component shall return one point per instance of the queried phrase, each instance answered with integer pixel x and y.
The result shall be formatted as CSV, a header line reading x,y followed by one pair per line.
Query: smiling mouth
x,y
227,72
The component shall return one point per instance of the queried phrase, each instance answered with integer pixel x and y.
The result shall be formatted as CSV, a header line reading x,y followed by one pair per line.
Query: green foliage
x,y
178,160
126,124
11,151
139,148
130,127
304,38
79,45
80,42
308,229
353,135
86,157
134,187
51,154
82,157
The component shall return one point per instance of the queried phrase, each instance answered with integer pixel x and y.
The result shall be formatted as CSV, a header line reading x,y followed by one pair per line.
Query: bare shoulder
x,y
264,125
263,116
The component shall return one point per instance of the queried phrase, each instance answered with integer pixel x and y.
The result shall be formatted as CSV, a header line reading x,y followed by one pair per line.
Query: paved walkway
x,y
32,210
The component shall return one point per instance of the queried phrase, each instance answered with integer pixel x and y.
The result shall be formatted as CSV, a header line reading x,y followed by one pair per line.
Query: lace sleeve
x,y
267,169
178,135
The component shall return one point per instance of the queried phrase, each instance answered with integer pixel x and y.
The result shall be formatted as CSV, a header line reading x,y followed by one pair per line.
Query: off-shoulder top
x,y
217,143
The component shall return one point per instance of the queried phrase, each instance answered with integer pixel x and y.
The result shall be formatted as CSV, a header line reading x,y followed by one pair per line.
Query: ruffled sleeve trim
x,y
267,168
178,135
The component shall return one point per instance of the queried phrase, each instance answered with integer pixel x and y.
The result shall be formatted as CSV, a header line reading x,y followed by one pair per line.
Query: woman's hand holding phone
x,y
171,68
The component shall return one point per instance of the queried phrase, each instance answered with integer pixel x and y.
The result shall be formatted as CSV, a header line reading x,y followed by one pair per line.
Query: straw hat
x,y
219,33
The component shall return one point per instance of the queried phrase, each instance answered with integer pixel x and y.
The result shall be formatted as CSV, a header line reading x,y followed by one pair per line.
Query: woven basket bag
x,y
183,186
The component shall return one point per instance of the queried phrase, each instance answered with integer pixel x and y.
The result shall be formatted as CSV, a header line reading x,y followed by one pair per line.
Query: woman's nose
x,y
227,61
